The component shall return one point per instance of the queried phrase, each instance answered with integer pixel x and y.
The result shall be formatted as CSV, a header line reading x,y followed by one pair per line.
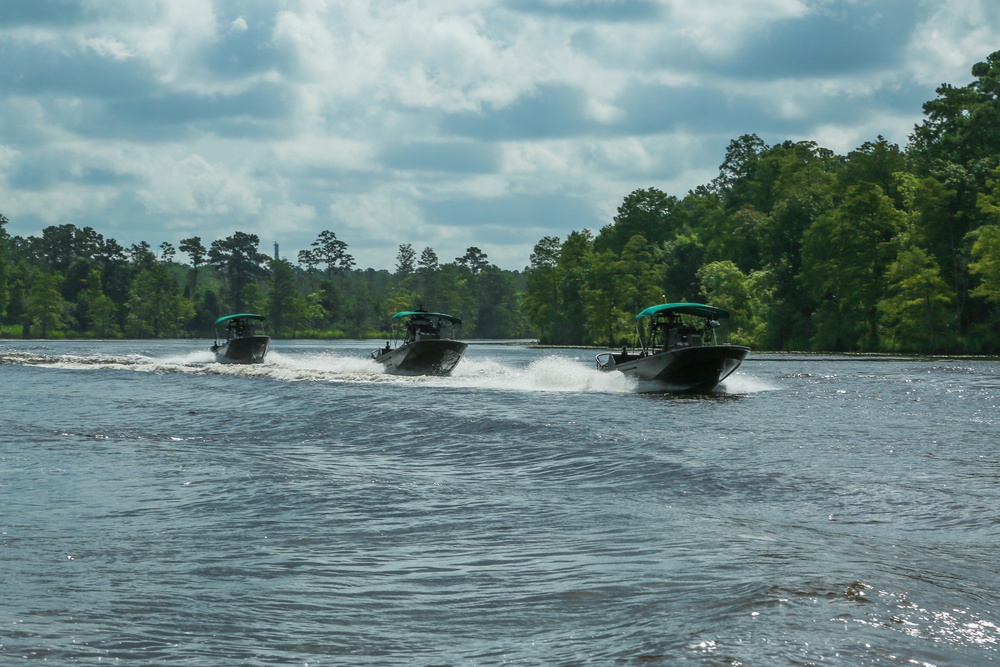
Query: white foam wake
x,y
551,373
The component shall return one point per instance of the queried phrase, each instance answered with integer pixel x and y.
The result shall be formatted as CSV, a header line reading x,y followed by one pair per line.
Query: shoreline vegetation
x,y
886,250
756,355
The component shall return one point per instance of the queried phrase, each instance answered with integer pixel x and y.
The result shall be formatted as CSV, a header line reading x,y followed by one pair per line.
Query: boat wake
x,y
741,383
549,373
546,374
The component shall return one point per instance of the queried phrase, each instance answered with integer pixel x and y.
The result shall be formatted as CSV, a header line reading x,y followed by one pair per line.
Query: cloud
x,y
261,102
42,13
448,124
47,72
550,112
454,157
54,171
242,49
835,40
600,11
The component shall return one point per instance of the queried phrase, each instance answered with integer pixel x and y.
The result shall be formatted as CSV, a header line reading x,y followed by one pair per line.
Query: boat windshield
x,y
240,325
240,328
670,329
423,328
423,325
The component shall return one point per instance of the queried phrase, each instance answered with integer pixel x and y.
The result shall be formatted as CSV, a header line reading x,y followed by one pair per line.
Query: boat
x,y
421,344
677,349
244,342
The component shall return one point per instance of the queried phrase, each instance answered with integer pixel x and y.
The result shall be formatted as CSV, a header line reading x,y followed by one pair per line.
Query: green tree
x,y
474,260
498,309
197,253
298,314
456,294
329,250
985,266
316,315
845,255
60,245
208,308
916,310
638,283
956,150
116,275
541,299
681,259
875,162
238,258
253,297
986,263
281,297
428,269
156,308
743,180
44,304
4,272
103,321
77,274
723,234
962,125
141,254
800,178
472,266
406,260
333,301
398,301
619,288
574,262
604,315
650,213
725,286
97,308
985,249
308,259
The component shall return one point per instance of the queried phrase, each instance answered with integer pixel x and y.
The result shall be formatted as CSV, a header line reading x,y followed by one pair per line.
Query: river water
x,y
160,509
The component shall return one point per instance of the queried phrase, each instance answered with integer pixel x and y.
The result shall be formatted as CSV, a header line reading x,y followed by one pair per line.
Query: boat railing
x,y
608,359
427,334
693,340
605,359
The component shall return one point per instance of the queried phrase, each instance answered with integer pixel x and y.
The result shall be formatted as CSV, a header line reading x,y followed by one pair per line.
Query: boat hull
x,y
246,350
424,357
683,370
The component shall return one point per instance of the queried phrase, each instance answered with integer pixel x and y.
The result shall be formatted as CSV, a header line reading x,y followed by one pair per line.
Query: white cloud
x,y
238,25
107,47
194,186
443,124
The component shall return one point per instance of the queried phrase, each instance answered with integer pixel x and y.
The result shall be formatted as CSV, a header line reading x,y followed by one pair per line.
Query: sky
x,y
439,123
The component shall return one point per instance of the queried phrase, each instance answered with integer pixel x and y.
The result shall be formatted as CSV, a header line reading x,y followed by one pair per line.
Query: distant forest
x,y
72,282
886,249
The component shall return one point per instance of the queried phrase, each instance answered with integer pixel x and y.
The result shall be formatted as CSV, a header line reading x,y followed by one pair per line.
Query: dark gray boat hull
x,y
246,350
696,369
424,357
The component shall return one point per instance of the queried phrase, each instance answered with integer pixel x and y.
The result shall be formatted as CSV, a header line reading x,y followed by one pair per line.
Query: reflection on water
x,y
159,508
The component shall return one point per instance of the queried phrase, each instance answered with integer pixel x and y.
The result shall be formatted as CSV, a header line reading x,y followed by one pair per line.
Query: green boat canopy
x,y
249,316
697,309
424,313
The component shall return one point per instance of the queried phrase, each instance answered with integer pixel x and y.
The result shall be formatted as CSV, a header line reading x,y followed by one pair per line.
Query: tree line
x,y
885,249
882,250
72,282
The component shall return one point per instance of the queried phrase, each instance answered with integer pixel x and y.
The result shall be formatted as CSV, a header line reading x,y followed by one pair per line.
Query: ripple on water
x,y
314,509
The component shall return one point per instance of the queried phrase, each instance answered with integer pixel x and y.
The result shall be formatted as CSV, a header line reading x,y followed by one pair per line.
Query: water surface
x,y
158,508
